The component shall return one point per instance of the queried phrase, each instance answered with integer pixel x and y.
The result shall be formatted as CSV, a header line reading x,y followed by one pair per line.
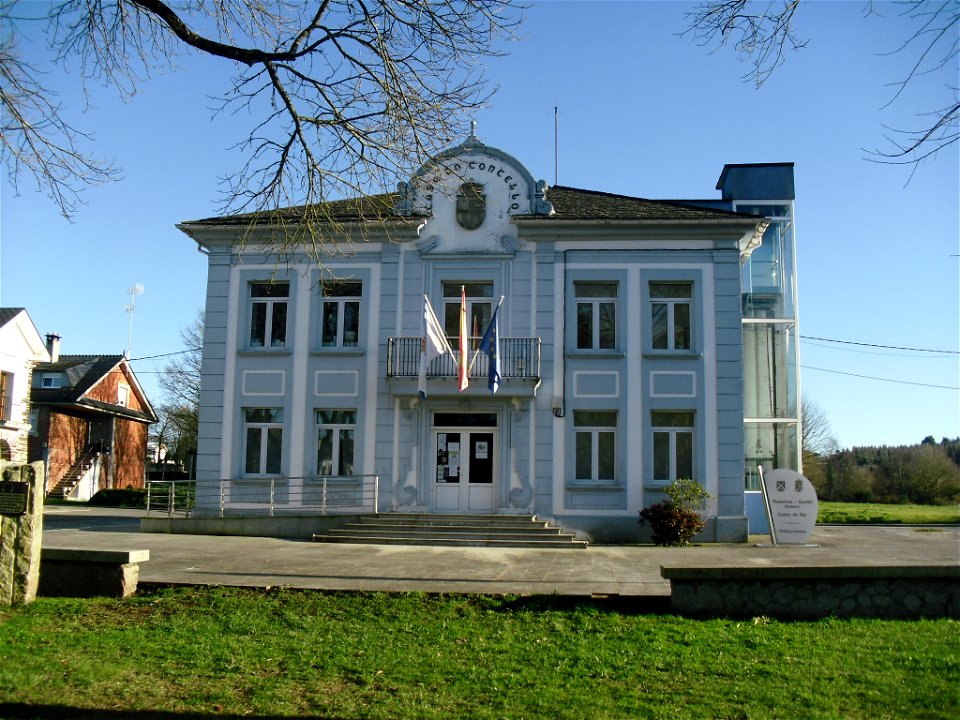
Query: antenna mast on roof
x,y
556,146
130,307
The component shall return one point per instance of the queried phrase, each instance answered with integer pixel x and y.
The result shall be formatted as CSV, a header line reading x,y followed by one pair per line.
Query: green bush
x,y
677,520
126,497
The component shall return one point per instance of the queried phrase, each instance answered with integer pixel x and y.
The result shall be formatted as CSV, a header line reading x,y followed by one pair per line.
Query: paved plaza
x,y
599,570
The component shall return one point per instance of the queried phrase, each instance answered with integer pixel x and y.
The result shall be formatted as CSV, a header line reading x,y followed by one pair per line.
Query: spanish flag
x,y
463,374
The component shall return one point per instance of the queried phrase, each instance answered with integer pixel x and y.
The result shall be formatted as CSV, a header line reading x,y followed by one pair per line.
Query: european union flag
x,y
490,344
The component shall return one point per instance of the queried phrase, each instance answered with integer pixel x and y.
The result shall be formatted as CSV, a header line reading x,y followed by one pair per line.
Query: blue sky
x,y
642,111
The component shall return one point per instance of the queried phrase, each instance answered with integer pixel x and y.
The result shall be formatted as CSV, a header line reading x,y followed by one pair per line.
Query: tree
x,y
180,383
817,442
343,95
762,33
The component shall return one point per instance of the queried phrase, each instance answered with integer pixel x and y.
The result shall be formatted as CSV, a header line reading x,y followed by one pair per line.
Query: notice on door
x,y
481,451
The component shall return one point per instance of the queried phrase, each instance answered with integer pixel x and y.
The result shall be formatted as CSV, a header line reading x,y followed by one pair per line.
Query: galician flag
x,y
490,344
463,374
432,345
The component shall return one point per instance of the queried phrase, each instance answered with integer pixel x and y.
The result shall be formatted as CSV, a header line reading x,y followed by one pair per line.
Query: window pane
x,y
595,418
346,453
251,464
351,323
274,449
608,325
342,288
671,290
263,415
331,312
584,325
661,456
605,456
659,326
671,418
324,451
595,289
584,459
278,326
681,326
684,456
269,290
258,324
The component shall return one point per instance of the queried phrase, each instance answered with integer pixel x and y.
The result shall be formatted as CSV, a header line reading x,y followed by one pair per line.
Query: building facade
x,y
21,348
622,351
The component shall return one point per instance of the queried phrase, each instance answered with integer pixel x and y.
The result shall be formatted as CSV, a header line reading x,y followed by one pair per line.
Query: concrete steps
x,y
514,531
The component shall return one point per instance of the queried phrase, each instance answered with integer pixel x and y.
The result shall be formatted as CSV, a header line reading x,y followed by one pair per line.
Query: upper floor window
x,y
263,440
123,395
596,315
672,445
479,301
268,314
596,442
51,382
6,396
341,313
671,315
335,435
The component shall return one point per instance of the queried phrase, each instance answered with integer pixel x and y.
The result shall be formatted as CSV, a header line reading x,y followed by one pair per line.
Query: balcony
x,y
519,364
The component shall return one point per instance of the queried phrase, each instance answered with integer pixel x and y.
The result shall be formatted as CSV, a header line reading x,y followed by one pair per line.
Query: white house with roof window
x,y
638,342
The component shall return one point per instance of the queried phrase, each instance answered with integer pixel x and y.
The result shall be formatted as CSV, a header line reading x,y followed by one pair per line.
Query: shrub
x,y
676,520
126,497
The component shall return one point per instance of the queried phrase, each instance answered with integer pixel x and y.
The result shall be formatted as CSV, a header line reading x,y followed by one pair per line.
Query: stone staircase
x,y
504,531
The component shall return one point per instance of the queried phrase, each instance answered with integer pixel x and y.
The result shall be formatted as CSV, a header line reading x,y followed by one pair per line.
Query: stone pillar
x,y
21,530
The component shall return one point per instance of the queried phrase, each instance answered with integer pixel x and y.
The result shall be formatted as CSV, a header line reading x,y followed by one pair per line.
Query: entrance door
x,y
464,471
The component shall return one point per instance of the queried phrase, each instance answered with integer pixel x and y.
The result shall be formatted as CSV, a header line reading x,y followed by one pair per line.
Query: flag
x,y
463,374
432,345
490,344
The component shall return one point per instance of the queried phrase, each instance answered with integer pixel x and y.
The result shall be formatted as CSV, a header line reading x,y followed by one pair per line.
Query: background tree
x,y
817,441
762,34
180,383
343,96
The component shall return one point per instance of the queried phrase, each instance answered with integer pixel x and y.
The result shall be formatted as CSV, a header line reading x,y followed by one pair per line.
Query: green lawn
x,y
287,653
841,512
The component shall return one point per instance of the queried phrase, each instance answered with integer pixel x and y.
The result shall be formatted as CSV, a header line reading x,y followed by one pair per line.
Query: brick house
x,y
91,421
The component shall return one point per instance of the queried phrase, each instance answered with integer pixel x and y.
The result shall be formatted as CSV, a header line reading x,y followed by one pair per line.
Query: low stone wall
x,y
815,592
65,572
278,526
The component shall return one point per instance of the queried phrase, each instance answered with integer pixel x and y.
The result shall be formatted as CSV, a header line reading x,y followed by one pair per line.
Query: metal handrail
x,y
519,359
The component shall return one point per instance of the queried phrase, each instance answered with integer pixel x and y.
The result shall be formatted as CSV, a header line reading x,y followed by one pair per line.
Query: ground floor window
x,y
596,442
672,445
263,431
336,430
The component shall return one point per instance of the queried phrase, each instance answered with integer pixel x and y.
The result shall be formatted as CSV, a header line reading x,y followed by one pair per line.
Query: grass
x,y
287,653
844,512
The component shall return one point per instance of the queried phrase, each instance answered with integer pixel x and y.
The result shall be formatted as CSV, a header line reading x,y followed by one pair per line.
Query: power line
x,y
871,377
875,345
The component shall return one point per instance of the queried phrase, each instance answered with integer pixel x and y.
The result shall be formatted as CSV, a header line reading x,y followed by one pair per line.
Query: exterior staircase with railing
x,y
75,474
505,531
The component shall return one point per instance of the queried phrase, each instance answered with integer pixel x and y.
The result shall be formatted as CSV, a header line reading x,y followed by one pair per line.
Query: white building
x,y
630,353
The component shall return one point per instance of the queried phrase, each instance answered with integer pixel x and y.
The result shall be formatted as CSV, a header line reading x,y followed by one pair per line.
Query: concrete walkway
x,y
599,570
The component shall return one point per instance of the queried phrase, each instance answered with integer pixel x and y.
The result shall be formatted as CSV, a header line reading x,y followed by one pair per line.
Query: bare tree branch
x,y
344,95
762,32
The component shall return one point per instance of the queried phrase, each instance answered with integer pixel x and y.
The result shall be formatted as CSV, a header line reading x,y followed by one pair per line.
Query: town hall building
x,y
588,349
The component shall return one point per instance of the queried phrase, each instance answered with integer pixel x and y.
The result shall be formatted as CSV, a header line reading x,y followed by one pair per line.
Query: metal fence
x,y
271,496
519,359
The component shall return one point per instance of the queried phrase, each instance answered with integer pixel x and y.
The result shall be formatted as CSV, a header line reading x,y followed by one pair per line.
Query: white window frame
x,y
594,302
338,430
123,395
479,309
672,432
263,428
340,301
271,304
593,432
671,304
51,381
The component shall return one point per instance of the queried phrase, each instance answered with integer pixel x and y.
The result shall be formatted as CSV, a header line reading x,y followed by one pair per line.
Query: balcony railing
x,y
519,359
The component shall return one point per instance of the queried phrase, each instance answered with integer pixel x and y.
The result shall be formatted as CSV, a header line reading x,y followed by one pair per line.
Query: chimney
x,y
53,346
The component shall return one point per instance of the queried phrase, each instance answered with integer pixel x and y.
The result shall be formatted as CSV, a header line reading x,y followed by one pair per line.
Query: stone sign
x,y
792,502
13,498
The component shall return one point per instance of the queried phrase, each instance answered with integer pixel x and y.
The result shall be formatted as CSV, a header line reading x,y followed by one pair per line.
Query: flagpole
x,y
477,351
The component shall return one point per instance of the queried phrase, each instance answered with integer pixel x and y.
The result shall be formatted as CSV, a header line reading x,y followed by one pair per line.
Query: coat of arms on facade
x,y
471,206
